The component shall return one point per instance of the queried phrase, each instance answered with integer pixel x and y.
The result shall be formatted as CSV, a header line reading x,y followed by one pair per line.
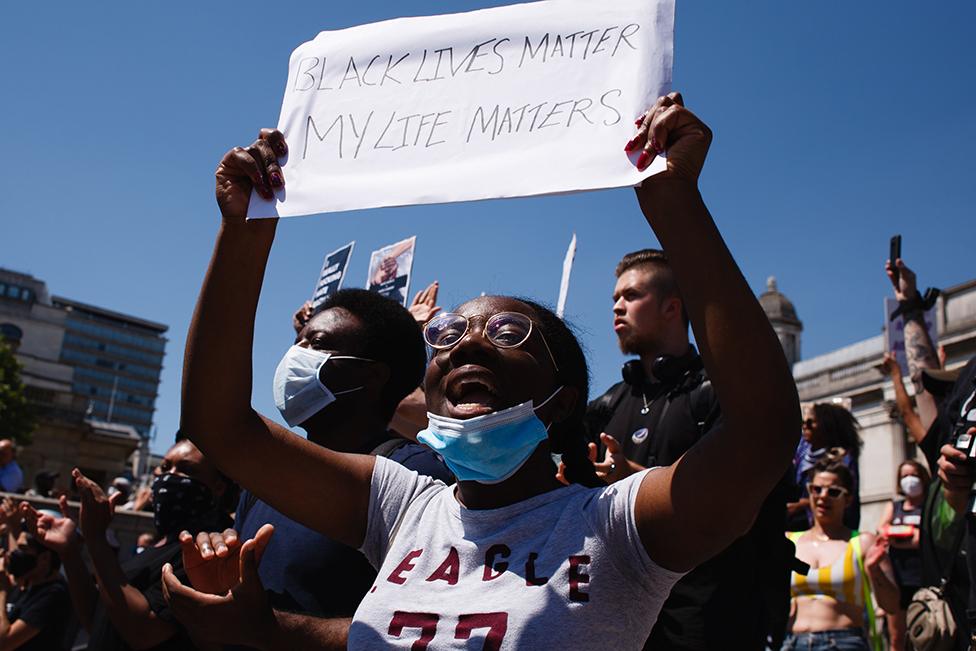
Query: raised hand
x,y
424,306
669,126
906,286
614,466
241,616
212,560
97,508
59,535
8,512
245,168
889,366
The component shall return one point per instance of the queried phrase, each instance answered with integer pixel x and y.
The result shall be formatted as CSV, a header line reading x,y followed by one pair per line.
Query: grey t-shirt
x,y
562,570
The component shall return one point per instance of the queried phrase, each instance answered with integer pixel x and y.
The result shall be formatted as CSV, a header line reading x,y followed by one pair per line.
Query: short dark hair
x,y
836,467
568,437
390,335
663,282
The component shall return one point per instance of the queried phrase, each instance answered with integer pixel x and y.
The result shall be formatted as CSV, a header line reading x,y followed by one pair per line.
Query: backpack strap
x,y
874,639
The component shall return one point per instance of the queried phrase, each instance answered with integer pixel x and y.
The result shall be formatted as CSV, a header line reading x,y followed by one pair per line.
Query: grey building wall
x,y
851,374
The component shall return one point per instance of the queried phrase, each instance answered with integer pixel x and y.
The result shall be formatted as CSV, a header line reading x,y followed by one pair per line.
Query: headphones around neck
x,y
667,369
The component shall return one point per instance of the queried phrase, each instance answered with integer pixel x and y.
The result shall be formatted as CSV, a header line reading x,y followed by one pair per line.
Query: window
x,y
10,332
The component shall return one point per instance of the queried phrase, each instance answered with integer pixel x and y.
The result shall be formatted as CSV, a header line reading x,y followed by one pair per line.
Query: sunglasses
x,y
833,492
503,330
809,423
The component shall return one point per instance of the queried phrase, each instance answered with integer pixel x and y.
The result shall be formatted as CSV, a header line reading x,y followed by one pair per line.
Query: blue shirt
x,y
11,477
307,572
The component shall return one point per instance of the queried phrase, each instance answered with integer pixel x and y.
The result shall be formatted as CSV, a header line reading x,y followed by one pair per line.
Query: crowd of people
x,y
456,489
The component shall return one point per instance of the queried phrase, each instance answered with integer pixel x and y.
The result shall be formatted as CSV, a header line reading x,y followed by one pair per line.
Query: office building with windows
x,y
117,360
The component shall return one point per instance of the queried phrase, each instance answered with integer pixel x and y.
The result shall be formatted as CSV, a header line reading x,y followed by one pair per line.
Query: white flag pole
x,y
564,283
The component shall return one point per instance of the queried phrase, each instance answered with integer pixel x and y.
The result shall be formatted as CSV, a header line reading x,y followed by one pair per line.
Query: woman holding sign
x,y
512,556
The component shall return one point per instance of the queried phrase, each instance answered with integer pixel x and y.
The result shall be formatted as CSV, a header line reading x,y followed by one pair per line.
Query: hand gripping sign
x,y
514,101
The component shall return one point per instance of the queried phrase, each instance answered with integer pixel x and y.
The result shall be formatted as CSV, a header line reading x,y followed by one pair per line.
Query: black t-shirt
x,y
726,602
907,563
144,572
307,572
46,607
936,555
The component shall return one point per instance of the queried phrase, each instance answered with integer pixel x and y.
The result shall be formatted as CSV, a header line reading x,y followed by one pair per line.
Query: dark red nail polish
x,y
631,145
643,160
276,180
656,146
639,121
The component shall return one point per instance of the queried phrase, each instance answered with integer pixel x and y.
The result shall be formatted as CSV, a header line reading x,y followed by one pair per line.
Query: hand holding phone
x,y
894,253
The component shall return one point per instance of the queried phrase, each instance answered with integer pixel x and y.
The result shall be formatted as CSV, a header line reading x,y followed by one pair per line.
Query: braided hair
x,y
568,437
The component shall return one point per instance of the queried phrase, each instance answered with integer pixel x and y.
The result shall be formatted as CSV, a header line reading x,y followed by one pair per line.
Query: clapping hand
x,y
59,535
97,508
212,560
242,615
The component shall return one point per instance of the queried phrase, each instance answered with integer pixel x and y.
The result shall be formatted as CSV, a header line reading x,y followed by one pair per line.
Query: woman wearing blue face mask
x,y
511,556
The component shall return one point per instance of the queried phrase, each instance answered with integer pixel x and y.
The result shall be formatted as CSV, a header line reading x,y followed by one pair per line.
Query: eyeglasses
x,y
833,492
809,423
503,330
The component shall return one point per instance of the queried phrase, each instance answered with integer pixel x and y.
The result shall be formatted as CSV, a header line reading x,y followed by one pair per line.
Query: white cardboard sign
x,y
522,100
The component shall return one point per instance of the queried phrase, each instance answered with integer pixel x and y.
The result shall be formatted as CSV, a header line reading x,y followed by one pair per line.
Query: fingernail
x,y
639,121
656,146
276,180
643,160
631,144
282,148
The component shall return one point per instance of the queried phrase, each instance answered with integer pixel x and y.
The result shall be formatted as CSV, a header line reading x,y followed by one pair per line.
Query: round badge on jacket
x,y
639,436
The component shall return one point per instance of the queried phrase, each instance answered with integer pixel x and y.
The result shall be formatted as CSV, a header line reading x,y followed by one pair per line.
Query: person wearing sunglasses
x,y
832,604
510,558
829,431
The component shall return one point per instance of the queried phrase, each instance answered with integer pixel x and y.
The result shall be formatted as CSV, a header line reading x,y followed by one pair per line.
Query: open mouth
x,y
472,393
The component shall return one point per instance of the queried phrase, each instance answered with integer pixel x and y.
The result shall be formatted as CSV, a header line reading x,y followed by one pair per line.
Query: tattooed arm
x,y
919,348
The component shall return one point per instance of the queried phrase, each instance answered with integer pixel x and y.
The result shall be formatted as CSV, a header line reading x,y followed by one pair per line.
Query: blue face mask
x,y
487,449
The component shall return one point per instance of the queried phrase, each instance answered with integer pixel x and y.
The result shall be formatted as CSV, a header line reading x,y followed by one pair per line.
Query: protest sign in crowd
x,y
444,480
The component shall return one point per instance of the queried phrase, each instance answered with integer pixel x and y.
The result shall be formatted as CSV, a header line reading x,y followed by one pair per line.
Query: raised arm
x,y
890,367
61,536
324,490
919,347
732,470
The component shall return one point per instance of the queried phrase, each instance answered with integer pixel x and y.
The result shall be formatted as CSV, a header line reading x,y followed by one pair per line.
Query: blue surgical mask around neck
x,y
487,449
298,390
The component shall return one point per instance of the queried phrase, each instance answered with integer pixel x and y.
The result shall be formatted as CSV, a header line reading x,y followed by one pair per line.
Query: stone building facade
x,y
851,375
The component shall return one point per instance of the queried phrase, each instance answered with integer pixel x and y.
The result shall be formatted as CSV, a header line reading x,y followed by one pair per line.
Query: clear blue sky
x,y
837,125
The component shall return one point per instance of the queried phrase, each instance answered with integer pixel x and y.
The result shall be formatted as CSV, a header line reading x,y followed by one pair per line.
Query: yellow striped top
x,y
842,580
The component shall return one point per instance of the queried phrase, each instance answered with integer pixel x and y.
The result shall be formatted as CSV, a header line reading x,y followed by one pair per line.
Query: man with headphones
x,y
663,406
